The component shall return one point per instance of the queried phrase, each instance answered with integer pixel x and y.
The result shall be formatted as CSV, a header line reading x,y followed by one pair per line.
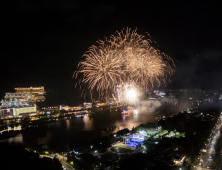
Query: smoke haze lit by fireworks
x,y
124,58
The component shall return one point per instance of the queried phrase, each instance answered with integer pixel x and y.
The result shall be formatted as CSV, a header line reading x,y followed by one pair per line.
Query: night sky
x,y
43,41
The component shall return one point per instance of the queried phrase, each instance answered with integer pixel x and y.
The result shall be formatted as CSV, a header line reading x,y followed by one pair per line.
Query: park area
x,y
124,146
121,149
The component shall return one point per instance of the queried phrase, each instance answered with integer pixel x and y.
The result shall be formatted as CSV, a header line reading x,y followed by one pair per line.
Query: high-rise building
x,y
21,101
23,96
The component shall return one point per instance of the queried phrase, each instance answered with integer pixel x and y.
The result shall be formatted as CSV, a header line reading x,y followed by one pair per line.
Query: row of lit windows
x,y
50,107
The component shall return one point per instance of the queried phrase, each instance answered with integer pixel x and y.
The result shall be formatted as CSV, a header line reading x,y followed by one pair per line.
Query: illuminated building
x,y
100,104
143,132
69,108
133,140
21,101
23,96
87,105
50,108
36,93
16,111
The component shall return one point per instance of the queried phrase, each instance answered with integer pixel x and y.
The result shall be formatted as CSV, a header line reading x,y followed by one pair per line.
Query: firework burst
x,y
145,65
101,69
126,57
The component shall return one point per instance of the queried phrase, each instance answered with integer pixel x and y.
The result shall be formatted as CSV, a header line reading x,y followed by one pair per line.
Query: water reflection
x,y
103,120
68,124
88,123
86,128
18,139
92,125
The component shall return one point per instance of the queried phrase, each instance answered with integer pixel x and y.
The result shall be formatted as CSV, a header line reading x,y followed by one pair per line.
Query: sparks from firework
x,y
101,69
128,93
145,65
126,57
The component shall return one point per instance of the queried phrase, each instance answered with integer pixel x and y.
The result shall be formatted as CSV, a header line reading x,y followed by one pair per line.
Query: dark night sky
x,y
42,41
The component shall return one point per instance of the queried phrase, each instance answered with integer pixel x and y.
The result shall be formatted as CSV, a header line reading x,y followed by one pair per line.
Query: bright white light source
x,y
135,111
131,93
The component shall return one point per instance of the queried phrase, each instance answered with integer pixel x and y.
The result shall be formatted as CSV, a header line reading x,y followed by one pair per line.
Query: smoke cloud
x,y
149,106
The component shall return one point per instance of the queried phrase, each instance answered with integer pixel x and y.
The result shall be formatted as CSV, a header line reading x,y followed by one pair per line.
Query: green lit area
x,y
162,132
124,146
181,135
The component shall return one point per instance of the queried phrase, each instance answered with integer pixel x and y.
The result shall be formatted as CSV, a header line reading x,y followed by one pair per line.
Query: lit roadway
x,y
208,156
67,166
63,161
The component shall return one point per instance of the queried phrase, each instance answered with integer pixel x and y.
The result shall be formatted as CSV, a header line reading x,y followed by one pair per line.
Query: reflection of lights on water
x,y
68,124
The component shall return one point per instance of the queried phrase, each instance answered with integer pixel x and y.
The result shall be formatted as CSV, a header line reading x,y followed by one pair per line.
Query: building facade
x,y
23,96
21,101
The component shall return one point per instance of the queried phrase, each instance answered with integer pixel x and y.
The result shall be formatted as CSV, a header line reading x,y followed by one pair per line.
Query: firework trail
x,y
125,58
101,69
145,65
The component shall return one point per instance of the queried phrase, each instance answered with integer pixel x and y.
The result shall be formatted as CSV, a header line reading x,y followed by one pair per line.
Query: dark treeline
x,y
15,156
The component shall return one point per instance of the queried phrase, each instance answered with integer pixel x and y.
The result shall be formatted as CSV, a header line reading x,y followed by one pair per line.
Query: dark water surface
x,y
96,125
88,127
102,121
80,129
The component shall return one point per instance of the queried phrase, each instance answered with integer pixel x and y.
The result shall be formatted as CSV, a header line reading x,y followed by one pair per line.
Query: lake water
x,y
98,124
103,122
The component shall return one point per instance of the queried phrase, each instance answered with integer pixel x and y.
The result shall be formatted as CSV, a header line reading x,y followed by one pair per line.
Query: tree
x,y
14,156
25,122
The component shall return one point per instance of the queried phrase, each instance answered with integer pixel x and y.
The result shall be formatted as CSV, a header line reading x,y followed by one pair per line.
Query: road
x,y
207,161
208,156
62,159
67,166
